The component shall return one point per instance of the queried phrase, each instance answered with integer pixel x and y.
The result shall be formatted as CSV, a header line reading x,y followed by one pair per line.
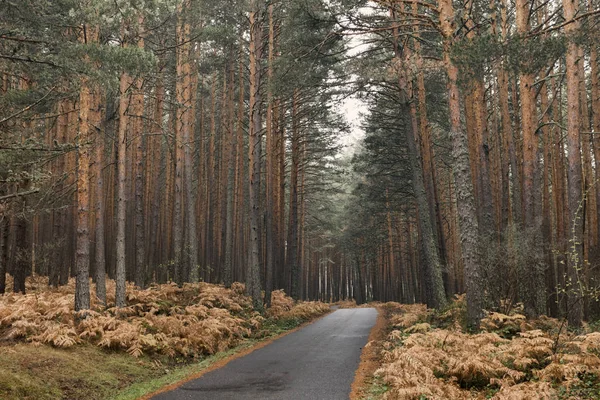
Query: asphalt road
x,y
317,362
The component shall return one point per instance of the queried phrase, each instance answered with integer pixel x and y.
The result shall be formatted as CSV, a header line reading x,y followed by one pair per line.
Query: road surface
x,y
317,362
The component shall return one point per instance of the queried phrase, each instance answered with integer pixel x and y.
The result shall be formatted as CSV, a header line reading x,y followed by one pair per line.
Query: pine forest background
x,y
185,141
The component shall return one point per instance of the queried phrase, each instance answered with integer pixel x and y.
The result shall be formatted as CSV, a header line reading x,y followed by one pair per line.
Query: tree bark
x,y
180,126
124,100
3,255
574,171
270,200
137,131
82,284
100,250
255,124
467,215
292,250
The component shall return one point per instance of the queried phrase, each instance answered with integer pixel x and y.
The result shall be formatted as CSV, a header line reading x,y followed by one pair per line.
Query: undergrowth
x,y
164,325
430,355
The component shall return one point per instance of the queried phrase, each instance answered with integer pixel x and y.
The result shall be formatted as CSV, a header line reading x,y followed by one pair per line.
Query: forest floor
x,y
419,354
163,336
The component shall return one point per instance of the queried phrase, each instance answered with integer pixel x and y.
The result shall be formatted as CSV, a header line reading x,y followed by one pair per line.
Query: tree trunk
x,y
574,171
292,243
433,266
180,126
231,167
3,248
253,272
86,122
121,188
21,249
188,141
270,158
137,131
467,215
100,251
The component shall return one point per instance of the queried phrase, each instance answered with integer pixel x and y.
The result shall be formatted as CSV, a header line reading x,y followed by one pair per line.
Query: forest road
x,y
317,362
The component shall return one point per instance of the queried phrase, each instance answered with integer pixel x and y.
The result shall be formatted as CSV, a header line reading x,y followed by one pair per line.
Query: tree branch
x,y
20,194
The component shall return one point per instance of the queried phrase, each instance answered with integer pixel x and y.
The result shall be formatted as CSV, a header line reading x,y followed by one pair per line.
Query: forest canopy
x,y
183,141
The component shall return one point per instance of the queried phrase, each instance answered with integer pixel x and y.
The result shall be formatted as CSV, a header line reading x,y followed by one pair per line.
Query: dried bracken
x,y
516,359
283,307
191,321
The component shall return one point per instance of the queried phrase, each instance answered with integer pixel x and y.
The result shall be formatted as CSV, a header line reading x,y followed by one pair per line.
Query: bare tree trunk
x,y
180,126
188,142
531,279
121,188
467,215
137,122
508,162
21,248
231,167
100,251
255,124
3,255
595,100
574,172
156,177
82,285
433,267
292,250
270,157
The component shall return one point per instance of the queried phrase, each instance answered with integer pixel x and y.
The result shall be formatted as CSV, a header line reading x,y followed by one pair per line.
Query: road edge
x,y
369,357
224,361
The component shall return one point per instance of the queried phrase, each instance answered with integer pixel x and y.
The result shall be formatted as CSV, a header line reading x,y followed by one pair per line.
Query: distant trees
x,y
166,153
183,141
506,101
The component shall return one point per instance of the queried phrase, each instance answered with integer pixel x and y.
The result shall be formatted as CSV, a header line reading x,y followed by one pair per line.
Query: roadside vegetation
x,y
49,351
431,355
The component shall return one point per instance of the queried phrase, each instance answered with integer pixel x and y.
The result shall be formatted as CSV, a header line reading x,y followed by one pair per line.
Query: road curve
x,y
317,362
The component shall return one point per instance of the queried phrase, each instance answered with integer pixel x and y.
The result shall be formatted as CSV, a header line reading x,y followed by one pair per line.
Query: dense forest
x,y
157,141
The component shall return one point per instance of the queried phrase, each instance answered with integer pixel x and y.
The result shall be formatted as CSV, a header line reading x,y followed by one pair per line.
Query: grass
x,y
89,372
376,389
178,374
83,372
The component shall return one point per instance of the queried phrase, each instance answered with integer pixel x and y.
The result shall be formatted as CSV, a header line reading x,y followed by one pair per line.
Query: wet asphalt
x,y
317,362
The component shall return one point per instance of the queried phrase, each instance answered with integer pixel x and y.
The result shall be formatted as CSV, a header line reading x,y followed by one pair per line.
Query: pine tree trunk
x,y
425,140
230,194
180,126
3,255
82,285
508,161
253,271
188,142
531,279
100,251
156,178
270,195
433,266
21,248
574,171
595,100
467,215
137,131
292,243
547,223
121,189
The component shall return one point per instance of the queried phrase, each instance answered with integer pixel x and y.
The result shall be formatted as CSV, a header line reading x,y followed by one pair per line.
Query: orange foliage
x,y
419,361
284,307
193,320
